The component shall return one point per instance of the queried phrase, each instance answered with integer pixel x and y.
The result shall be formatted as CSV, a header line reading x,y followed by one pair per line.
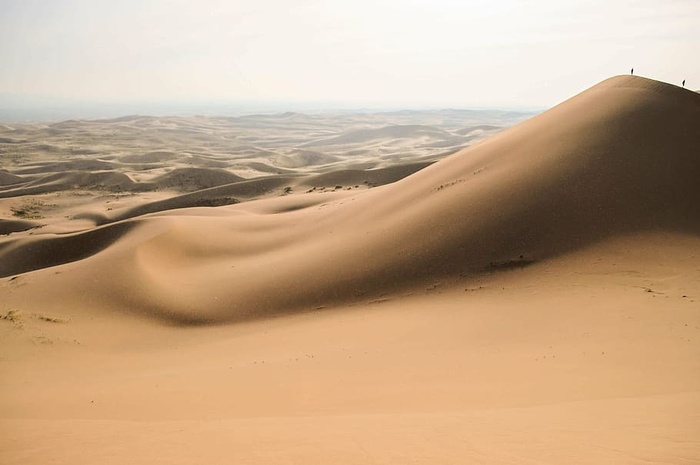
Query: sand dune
x,y
150,157
69,180
303,158
7,179
74,165
144,148
374,177
10,226
192,179
40,253
572,176
531,298
364,136
480,127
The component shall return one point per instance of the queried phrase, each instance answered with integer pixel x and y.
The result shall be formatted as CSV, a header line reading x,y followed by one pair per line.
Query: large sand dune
x,y
534,298
577,174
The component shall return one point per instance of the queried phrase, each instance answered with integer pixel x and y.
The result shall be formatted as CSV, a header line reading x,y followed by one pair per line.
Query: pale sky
x,y
400,53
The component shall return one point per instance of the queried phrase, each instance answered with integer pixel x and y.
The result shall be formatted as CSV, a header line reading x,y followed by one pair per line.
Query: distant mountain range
x,y
22,108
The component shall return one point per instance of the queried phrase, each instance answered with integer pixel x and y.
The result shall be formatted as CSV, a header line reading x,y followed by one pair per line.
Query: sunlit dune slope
x,y
622,157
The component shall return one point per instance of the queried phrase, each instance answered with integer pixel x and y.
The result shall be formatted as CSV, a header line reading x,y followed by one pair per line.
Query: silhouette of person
x,y
632,71
683,82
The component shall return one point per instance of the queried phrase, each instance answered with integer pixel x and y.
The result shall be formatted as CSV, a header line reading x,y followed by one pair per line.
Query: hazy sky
x,y
407,53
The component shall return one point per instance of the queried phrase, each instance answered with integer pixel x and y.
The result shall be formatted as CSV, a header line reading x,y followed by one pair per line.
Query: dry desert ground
x,y
441,287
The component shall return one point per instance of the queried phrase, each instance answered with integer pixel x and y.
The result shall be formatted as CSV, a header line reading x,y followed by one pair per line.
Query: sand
x,y
533,298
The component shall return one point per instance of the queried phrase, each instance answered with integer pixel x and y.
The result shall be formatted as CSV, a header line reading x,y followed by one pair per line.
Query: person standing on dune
x,y
632,71
683,82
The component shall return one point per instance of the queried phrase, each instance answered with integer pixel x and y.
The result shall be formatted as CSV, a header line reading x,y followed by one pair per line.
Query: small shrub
x,y
29,209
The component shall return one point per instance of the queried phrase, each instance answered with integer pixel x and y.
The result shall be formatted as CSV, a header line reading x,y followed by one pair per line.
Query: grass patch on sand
x,y
13,316
28,209
51,319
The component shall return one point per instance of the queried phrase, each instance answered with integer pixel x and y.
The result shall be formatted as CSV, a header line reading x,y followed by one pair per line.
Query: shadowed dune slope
x,y
10,226
619,158
7,179
191,179
73,165
36,252
150,157
102,180
212,197
377,176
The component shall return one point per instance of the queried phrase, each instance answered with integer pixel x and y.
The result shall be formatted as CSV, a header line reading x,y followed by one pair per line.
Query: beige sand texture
x,y
534,298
